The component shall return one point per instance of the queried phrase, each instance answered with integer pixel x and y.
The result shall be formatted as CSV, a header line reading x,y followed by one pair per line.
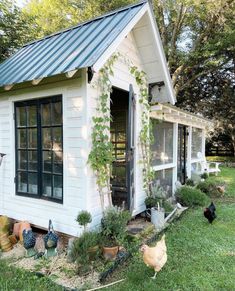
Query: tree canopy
x,y
15,29
198,38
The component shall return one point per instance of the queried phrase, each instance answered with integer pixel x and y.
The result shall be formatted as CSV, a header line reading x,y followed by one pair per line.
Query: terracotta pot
x,y
5,242
110,252
16,229
23,225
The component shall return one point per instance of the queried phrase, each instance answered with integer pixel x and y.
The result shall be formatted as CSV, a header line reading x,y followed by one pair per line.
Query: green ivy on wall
x,y
101,154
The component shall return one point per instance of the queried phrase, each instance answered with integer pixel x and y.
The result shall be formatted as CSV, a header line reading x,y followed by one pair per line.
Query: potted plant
x,y
83,218
113,230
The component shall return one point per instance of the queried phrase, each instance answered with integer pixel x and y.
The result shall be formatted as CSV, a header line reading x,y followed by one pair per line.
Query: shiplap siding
x,y
121,79
38,211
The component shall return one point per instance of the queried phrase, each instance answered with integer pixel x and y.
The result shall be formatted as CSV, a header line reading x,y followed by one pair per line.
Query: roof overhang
x,y
176,115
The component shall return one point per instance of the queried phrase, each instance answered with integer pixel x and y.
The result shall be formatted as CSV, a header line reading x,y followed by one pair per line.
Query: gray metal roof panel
x,y
78,47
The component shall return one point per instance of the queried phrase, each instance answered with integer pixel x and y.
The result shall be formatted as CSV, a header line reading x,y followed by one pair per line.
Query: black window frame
x,y
38,103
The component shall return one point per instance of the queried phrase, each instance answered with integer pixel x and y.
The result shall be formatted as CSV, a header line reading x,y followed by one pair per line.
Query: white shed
x,y
47,100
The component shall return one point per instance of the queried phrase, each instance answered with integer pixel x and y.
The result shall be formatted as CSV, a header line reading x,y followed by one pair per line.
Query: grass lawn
x,y
227,175
12,279
200,256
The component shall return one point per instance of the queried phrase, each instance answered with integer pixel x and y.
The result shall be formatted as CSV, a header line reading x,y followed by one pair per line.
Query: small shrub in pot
x,y
83,218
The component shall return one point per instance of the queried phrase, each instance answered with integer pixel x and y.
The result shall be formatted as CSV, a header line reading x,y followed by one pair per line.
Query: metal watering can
x,y
157,215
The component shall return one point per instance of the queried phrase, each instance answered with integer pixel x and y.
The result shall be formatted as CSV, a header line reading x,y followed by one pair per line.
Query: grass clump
x,y
189,196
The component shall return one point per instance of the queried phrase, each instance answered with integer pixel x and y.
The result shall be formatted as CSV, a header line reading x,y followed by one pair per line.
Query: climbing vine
x,y
146,134
101,155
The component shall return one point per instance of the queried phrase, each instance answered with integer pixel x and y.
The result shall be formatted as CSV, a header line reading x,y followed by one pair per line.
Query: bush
x,y
204,175
151,201
189,196
210,188
190,182
113,224
80,249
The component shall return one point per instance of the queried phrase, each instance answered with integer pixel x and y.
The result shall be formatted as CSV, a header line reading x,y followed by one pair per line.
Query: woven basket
x,y
5,242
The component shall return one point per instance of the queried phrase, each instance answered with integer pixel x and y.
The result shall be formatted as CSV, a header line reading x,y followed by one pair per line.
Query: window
x,y
164,178
162,147
196,143
39,148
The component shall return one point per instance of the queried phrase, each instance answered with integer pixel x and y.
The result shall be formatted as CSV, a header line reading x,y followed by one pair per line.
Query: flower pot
x,y
110,252
16,229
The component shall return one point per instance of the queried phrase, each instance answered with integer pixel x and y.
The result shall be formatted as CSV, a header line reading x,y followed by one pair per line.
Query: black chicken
x,y
209,212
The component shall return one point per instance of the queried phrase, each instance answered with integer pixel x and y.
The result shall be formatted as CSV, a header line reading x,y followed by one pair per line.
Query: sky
x,y
20,3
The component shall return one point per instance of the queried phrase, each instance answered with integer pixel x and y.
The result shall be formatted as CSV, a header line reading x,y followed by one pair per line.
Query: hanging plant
x,y
101,155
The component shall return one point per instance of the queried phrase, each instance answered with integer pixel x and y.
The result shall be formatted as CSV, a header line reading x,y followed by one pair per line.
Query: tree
x,y
53,15
198,37
15,29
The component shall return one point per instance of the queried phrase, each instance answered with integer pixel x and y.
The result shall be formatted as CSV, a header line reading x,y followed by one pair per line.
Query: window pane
x,y
32,138
21,116
196,143
57,113
58,185
22,182
58,163
33,183
57,138
22,138
32,115
46,138
162,147
33,160
47,162
47,179
163,179
46,114
22,160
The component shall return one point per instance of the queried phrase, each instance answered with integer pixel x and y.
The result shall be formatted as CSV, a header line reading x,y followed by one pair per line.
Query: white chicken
x,y
155,257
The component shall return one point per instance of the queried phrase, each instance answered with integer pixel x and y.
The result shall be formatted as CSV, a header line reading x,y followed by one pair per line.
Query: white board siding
x,y
38,211
121,79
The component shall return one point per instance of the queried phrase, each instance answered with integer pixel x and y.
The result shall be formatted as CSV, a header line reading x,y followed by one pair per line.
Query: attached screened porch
x,y
179,146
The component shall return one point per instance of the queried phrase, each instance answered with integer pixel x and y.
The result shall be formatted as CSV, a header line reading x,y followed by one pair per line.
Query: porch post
x,y
175,157
189,152
203,144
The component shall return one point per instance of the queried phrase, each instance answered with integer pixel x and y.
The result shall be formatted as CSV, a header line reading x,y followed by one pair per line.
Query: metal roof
x,y
77,47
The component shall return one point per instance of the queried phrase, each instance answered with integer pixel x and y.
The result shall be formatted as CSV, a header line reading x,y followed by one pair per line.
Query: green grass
x,y
220,159
227,175
12,278
200,256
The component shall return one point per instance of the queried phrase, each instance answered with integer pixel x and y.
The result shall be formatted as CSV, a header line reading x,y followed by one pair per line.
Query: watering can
x,y
157,215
